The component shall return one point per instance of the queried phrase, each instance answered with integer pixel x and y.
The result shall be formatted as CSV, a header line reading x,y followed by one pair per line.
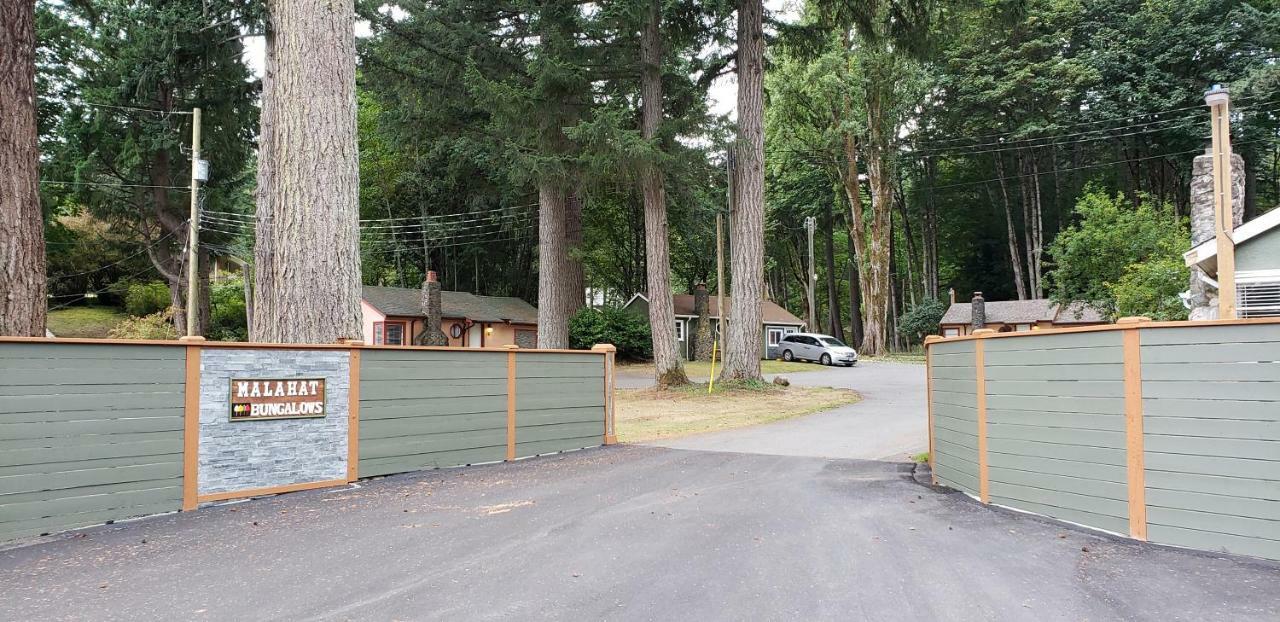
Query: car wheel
x,y
787,356
825,360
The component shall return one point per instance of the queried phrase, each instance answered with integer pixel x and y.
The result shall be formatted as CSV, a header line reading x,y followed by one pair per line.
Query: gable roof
x,y
1206,253
770,311
406,302
1025,312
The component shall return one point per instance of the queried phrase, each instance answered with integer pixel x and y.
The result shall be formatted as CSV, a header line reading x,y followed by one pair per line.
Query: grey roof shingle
x,y
403,301
1025,311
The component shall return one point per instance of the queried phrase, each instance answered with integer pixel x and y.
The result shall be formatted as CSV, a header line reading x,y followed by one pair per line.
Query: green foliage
x,y
1151,288
227,320
1120,251
154,326
922,319
146,298
625,330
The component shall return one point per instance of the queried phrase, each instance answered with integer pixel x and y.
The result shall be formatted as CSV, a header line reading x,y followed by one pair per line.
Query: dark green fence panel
x,y
427,409
559,401
88,434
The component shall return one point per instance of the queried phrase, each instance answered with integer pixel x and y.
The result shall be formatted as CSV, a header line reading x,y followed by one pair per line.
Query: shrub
x,y
626,331
227,320
154,326
1151,288
141,299
922,319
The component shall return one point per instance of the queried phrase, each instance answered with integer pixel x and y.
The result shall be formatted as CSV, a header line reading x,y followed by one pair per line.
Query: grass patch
x,y
702,369
648,414
85,322
921,458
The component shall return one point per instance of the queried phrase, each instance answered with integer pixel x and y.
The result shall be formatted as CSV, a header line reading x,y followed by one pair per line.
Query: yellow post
x,y
1218,101
712,383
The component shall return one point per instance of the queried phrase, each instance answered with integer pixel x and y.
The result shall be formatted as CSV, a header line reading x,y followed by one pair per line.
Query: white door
x,y
473,336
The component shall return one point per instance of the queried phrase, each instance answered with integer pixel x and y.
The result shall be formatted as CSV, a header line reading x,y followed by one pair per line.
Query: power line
x,y
116,263
136,108
110,185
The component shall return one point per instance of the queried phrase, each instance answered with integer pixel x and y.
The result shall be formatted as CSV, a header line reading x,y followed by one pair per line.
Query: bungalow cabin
x,y
776,323
1014,316
395,316
1257,255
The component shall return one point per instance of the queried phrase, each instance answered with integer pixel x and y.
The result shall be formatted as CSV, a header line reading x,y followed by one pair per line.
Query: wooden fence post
x,y
610,358
191,426
980,380
1134,446
353,413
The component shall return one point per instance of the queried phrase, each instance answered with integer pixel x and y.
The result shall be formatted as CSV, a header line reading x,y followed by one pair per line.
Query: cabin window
x,y
1021,328
775,335
388,333
679,330
951,332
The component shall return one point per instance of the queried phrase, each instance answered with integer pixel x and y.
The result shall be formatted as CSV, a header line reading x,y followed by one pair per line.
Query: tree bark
x,y
875,286
930,279
744,343
23,288
553,287
835,325
307,253
572,260
667,367
855,299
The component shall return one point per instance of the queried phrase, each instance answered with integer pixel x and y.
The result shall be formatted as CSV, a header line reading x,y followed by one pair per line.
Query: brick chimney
x,y
431,334
979,311
703,331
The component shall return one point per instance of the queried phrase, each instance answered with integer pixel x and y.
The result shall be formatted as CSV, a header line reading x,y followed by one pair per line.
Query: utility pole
x,y
1218,100
193,225
730,163
810,223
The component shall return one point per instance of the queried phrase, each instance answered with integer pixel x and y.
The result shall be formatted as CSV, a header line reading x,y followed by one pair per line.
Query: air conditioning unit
x,y
1258,293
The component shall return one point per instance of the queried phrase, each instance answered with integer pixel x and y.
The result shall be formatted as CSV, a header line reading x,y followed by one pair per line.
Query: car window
x,y
789,339
833,342
809,341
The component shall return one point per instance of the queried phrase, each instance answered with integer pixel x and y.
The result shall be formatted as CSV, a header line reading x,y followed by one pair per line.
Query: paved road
x,y
624,533
890,423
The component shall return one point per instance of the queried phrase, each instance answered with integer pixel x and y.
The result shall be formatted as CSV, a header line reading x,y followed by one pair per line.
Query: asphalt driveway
x,y
625,533
890,423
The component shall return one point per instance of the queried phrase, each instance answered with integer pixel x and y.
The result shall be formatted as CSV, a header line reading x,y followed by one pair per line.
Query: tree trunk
x,y
744,344
930,279
1014,257
667,367
1037,231
855,299
572,260
307,253
835,325
553,287
23,288
875,286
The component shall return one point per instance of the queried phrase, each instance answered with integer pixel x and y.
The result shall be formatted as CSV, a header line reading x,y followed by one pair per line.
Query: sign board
x,y
276,398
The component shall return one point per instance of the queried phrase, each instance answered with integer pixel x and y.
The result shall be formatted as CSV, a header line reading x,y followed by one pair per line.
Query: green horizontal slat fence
x,y
88,433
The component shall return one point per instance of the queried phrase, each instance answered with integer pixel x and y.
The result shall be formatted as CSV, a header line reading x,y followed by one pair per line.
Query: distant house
x,y
395,316
1257,255
776,322
1014,316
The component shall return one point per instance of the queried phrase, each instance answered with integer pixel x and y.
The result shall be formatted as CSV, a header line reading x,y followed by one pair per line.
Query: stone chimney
x,y
952,292
431,334
1203,299
979,311
703,335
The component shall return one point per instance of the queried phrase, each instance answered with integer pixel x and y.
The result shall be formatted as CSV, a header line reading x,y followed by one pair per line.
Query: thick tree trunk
x,y
875,286
835,324
574,272
744,344
930,279
855,299
1037,232
662,315
23,289
553,287
308,231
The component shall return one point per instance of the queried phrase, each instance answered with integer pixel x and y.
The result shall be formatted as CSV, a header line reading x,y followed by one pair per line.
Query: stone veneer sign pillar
x,y
269,454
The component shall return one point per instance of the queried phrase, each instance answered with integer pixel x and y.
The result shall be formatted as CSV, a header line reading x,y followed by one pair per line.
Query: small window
x,y
393,333
377,333
1021,328
775,336
679,330
951,332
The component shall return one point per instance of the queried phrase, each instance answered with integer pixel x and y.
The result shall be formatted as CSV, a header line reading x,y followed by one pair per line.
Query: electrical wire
x,y
110,185
116,263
